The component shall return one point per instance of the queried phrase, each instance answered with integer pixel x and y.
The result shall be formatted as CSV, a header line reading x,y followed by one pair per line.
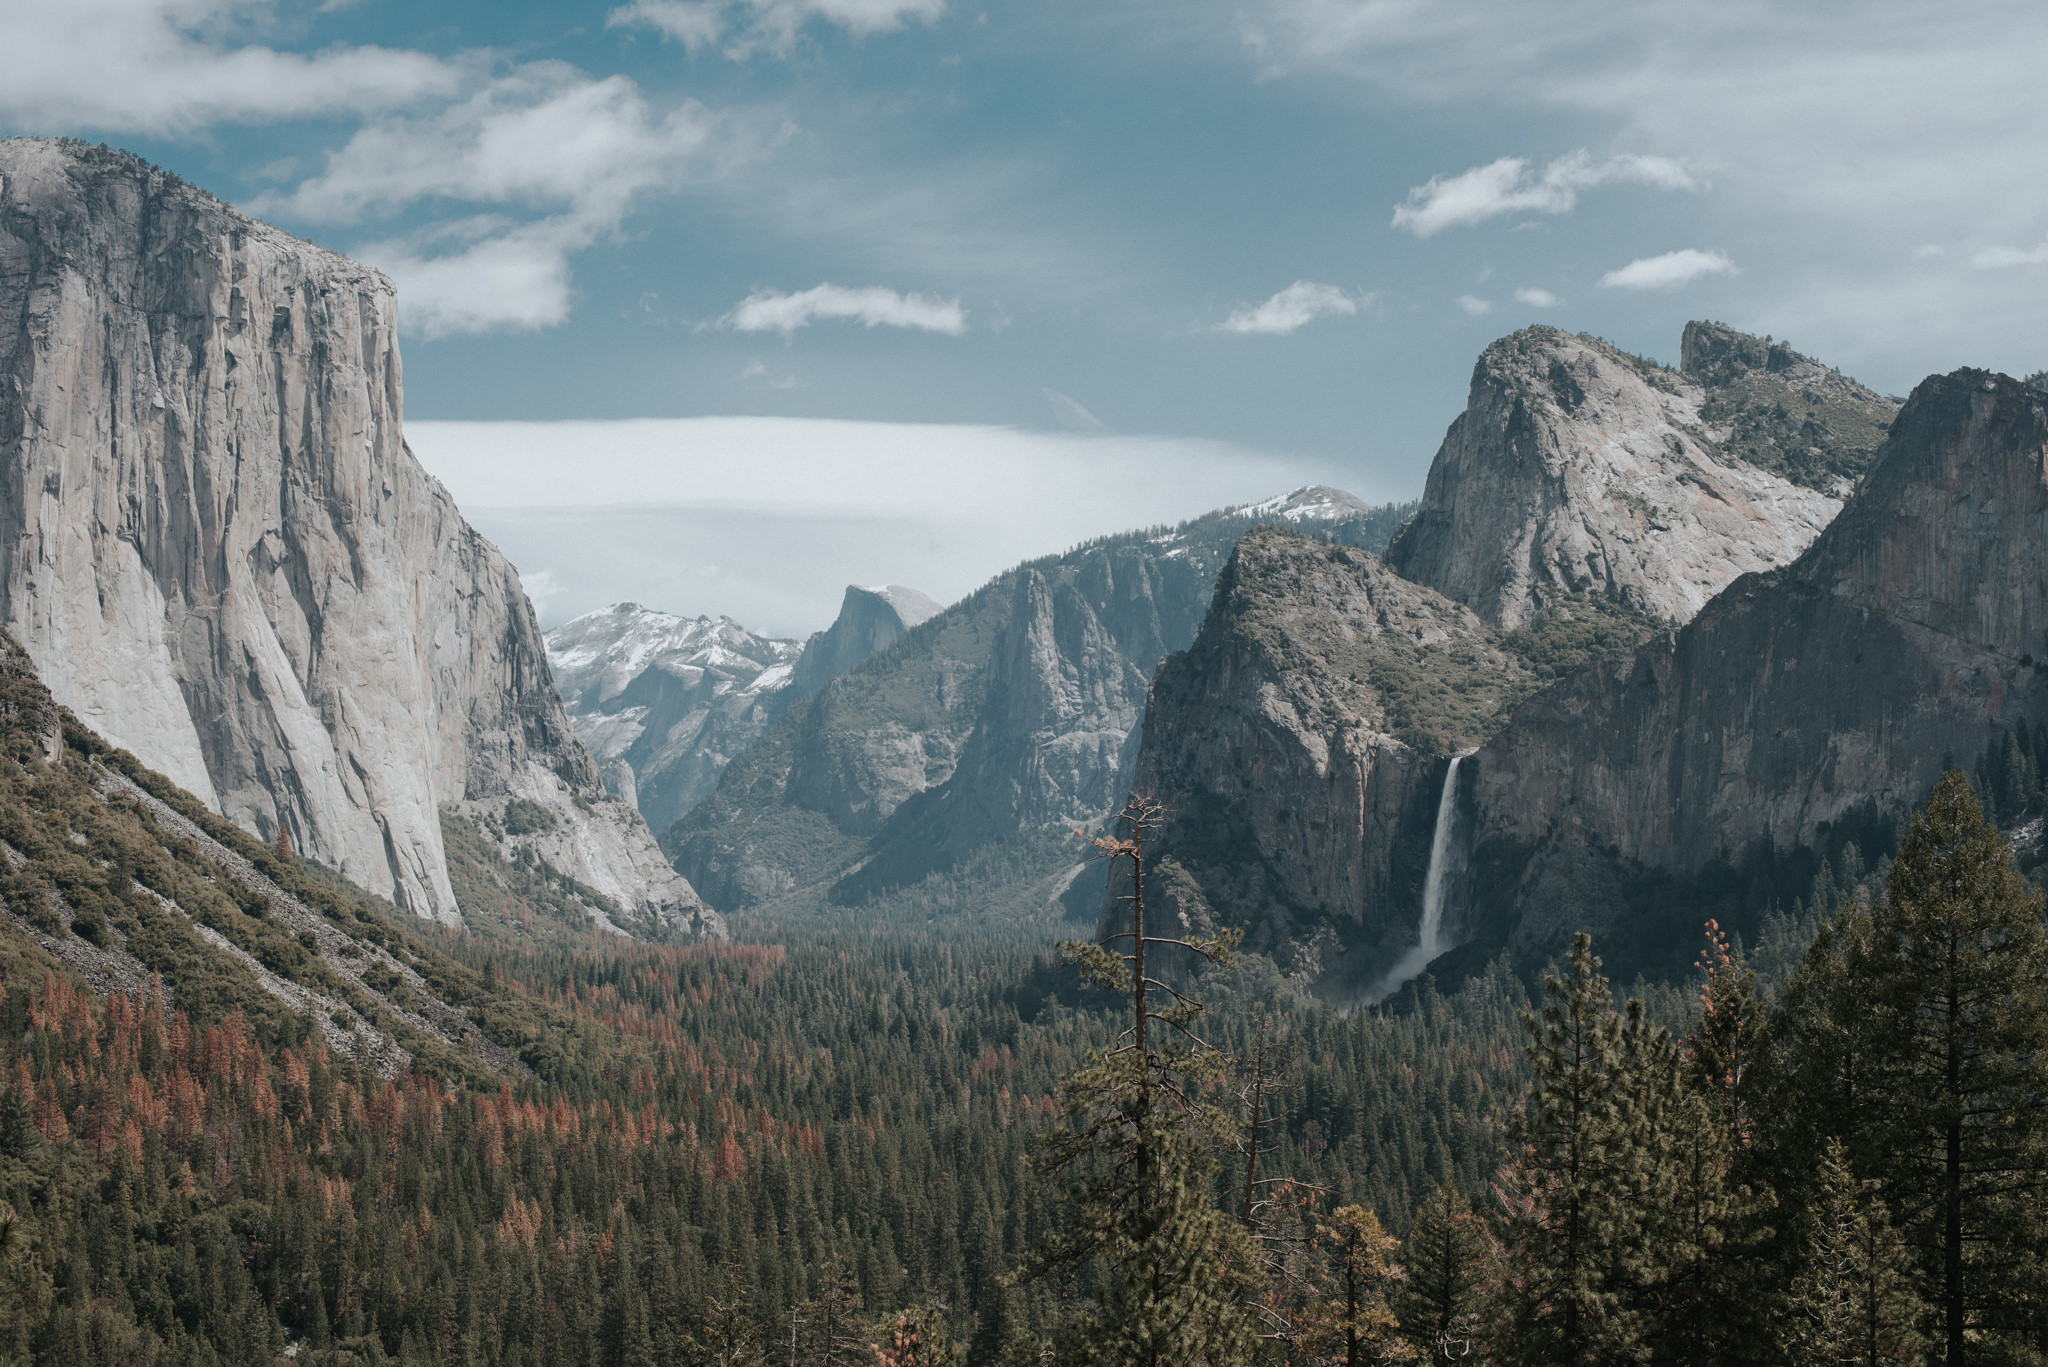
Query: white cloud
x,y
517,282
1300,304
750,26
1667,271
1537,298
1992,258
174,66
693,23
544,138
757,371
1474,306
1506,186
772,311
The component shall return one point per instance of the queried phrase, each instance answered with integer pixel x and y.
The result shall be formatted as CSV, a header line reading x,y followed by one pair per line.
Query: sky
x,y
1266,237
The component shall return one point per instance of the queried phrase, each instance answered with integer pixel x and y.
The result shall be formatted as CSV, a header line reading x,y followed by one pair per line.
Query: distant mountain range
x,y
665,702
1008,715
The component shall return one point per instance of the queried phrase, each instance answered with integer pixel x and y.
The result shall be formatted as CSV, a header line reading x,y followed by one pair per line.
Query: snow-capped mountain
x,y
664,701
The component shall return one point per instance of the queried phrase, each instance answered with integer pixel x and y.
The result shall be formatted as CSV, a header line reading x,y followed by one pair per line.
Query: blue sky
x,y
1284,226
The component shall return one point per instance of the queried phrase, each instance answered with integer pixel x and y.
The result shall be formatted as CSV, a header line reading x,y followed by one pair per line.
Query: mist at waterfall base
x,y
1429,939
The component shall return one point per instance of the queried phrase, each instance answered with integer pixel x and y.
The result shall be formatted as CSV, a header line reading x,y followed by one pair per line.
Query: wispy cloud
x,y
1300,304
1071,415
1537,298
543,138
752,26
1510,186
175,66
514,282
1474,306
1667,271
1993,258
771,311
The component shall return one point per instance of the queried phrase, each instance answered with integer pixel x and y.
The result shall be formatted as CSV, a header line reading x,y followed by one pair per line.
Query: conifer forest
x,y
912,1143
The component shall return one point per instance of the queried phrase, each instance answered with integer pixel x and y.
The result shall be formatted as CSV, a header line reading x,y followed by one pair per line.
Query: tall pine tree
x,y
1176,1277
1962,979
1853,1300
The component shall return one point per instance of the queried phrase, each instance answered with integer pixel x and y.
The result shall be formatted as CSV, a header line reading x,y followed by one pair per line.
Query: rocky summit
x,y
1579,507
222,556
1579,469
869,620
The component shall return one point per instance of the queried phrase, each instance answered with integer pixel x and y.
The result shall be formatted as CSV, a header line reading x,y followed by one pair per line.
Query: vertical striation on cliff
x,y
222,555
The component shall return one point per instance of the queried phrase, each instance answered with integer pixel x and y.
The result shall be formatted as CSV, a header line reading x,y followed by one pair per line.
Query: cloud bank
x,y
769,519
1295,307
770,311
1508,186
1668,271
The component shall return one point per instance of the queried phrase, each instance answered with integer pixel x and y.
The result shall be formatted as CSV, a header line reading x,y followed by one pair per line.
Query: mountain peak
x,y
1578,468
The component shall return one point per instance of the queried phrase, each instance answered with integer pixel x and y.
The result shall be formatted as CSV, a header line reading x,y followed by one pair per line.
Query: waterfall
x,y
1429,935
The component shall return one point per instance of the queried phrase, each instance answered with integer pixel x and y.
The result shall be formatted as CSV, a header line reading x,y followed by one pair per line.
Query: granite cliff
x,y
1578,507
222,556
870,619
1908,637
1301,743
1578,469
1010,714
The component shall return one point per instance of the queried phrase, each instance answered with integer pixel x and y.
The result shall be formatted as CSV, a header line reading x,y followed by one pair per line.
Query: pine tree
x,y
1588,1188
1853,1300
1963,979
826,1331
1451,1266
1724,1046
1355,1324
915,1338
1135,1164
1706,1299
727,1335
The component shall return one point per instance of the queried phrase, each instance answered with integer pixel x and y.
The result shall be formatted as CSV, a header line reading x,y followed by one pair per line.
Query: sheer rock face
x,y
1575,468
221,554
870,620
1906,638
665,702
1301,744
